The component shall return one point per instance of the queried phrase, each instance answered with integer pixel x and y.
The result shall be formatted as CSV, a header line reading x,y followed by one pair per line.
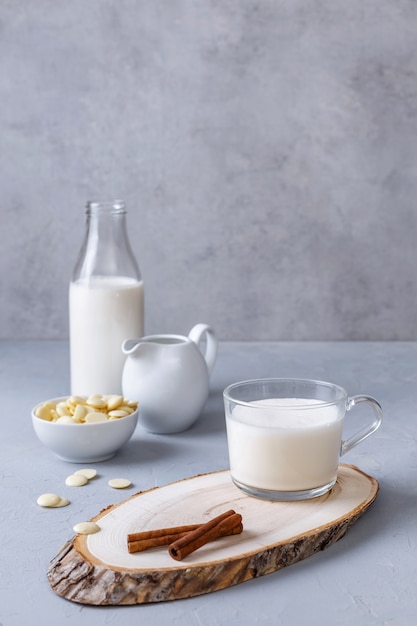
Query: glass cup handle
x,y
362,434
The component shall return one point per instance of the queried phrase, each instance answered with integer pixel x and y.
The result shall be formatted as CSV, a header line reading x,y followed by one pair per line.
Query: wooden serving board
x,y
98,569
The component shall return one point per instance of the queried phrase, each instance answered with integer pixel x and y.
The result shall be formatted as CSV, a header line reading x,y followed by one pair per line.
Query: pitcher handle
x,y
353,441
210,354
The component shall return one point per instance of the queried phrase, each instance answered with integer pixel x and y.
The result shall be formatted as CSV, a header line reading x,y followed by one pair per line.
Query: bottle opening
x,y
115,206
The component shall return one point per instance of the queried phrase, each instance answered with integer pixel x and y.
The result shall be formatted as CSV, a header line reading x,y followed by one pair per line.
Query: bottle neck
x,y
106,208
106,228
106,249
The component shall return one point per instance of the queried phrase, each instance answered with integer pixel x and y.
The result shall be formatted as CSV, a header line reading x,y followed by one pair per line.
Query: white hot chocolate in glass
x,y
104,311
284,450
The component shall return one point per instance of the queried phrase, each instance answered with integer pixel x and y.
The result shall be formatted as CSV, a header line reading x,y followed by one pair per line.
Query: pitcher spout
x,y
130,346
146,346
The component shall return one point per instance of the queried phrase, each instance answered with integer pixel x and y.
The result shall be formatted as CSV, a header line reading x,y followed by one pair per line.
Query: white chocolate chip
x,y
76,480
125,407
118,413
78,410
88,472
86,528
61,409
114,402
62,502
76,400
119,483
92,418
97,401
65,419
44,413
48,500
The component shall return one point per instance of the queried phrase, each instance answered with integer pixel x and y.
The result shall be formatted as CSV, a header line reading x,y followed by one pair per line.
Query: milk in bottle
x,y
106,302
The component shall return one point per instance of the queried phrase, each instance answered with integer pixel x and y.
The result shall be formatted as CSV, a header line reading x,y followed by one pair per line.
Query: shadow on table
x,y
148,450
389,520
209,422
147,447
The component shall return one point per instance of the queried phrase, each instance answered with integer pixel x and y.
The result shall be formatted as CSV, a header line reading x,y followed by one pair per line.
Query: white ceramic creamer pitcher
x,y
168,375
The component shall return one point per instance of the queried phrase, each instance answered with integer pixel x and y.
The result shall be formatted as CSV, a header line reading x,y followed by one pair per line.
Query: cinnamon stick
x,y
138,542
161,532
147,539
217,527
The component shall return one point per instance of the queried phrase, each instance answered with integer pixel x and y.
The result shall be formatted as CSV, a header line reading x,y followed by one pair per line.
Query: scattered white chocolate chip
x,y
62,502
119,483
76,480
48,500
88,472
86,528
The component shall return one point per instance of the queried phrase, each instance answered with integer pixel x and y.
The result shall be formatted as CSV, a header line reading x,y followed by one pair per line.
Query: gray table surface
x,y
368,577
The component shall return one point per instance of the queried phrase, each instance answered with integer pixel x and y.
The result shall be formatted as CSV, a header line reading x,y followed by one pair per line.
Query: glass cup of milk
x,y
285,436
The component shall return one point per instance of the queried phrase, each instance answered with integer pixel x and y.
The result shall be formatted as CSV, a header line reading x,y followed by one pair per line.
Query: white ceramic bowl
x,y
84,443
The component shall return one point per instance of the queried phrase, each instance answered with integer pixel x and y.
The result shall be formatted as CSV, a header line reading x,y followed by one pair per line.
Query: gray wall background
x,y
266,150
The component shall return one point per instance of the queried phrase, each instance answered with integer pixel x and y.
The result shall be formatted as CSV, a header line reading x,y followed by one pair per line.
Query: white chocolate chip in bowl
x,y
91,418
79,413
97,401
65,419
44,413
63,409
89,434
117,413
113,402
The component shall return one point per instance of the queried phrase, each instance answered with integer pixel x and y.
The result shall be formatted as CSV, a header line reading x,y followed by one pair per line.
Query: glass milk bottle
x,y
106,302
